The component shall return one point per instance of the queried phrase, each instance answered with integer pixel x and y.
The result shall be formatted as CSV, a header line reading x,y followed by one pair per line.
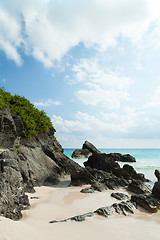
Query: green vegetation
x,y
17,146
34,120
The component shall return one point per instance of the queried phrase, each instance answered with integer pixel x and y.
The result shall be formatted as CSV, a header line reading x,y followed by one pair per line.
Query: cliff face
x,y
25,163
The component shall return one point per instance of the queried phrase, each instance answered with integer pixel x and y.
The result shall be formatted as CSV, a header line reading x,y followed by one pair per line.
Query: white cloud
x,y
48,29
100,86
130,128
106,123
47,103
10,38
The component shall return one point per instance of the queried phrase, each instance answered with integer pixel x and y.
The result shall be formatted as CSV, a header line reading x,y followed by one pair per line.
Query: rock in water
x,y
101,161
121,158
157,174
133,174
81,153
86,151
89,146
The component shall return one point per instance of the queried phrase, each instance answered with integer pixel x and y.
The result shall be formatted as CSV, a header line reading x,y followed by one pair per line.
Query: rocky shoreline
x,y
26,163
103,172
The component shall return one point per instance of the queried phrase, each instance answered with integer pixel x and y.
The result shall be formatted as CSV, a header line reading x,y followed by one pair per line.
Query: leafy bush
x,y
34,120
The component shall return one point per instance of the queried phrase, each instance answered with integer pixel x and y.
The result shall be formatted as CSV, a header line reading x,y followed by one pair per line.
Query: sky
x,y
92,65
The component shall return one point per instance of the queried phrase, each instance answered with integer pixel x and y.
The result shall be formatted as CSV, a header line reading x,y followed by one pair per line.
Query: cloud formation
x,y
47,29
100,86
108,124
109,129
47,103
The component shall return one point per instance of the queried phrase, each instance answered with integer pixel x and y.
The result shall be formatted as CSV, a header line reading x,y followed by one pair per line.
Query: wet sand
x,y
57,203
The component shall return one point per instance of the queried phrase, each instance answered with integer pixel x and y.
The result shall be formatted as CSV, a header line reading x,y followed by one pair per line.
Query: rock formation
x,y
107,163
87,150
123,208
106,173
25,163
157,174
81,153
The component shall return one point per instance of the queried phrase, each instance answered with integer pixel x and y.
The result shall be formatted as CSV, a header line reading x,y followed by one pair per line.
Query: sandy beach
x,y
57,203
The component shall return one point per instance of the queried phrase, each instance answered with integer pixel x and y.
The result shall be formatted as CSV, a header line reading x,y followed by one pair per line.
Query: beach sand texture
x,y
57,203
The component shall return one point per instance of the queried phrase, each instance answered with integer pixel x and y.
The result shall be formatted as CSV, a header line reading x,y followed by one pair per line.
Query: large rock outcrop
x,y
157,174
25,163
108,163
87,150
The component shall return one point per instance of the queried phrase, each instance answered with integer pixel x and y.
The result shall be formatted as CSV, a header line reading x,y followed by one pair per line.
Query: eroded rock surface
x,y
157,174
25,163
147,201
87,150
81,153
122,208
120,196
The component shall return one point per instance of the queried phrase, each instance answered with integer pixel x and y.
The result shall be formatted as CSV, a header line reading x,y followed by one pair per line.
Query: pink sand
x,y
61,203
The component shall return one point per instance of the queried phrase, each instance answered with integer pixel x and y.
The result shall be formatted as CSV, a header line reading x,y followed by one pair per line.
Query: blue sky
x,y
92,65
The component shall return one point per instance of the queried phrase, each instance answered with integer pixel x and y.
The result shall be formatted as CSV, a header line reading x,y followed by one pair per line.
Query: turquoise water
x,y
147,160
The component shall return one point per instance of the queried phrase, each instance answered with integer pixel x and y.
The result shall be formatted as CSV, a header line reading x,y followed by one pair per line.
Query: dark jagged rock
x,y
55,221
104,211
87,150
88,190
25,163
121,158
7,129
99,175
121,173
157,174
124,207
139,187
81,153
79,218
102,170
101,161
100,187
120,196
147,201
89,146
107,163
115,183
133,174
81,177
12,195
156,190
107,179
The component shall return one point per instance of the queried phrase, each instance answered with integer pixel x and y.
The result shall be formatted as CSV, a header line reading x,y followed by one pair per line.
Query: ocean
x,y
147,160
